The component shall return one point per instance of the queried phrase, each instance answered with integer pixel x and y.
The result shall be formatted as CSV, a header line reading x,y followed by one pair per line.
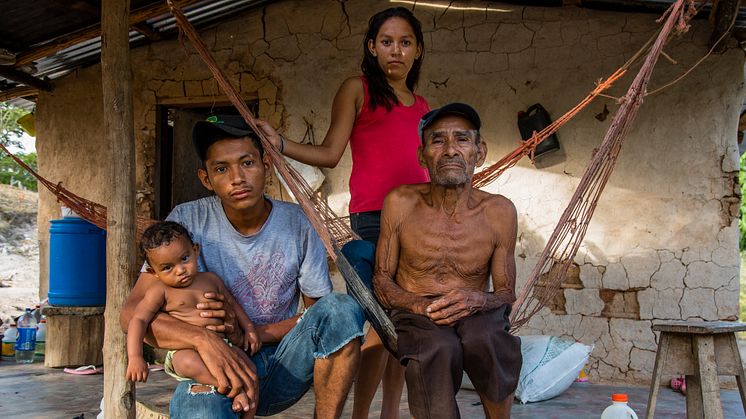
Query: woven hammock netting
x,y
547,276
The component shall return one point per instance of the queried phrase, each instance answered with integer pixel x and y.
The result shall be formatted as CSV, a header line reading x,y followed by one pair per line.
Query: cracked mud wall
x,y
663,241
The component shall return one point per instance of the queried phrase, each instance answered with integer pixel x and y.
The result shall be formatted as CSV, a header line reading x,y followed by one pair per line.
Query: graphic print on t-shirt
x,y
265,288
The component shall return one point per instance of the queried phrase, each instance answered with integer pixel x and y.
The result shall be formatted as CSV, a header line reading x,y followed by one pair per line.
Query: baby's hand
x,y
251,339
137,369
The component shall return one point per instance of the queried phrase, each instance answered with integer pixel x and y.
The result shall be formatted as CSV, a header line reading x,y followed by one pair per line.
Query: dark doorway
x,y
177,162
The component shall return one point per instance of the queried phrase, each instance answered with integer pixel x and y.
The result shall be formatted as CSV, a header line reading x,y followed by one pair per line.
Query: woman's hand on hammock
x,y
269,133
456,305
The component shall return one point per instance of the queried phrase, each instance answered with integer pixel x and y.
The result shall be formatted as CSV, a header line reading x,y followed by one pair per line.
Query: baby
x,y
172,257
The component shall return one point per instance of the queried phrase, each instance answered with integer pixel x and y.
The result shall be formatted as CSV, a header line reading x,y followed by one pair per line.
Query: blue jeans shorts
x,y
285,370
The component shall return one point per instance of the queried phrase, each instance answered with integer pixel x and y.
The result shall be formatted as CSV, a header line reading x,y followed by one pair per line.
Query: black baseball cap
x,y
450,109
218,127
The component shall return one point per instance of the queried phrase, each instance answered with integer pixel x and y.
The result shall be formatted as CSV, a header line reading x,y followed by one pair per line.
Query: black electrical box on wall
x,y
536,118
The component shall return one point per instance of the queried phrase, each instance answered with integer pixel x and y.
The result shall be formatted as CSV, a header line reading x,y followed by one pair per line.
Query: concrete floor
x,y
33,391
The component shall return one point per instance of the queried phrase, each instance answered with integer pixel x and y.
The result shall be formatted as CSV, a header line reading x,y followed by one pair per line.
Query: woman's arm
x,y
347,103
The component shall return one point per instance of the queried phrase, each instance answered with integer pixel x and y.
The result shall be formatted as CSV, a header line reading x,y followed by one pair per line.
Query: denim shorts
x,y
285,370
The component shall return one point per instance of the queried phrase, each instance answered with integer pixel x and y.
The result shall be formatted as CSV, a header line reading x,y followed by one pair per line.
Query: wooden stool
x,y
75,336
701,351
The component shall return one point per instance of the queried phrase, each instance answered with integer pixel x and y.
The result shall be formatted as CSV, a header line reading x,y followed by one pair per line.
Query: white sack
x,y
550,365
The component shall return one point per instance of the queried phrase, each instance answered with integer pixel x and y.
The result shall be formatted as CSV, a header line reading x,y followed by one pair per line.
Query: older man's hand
x,y
456,305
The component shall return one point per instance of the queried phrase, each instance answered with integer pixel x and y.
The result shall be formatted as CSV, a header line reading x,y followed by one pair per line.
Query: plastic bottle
x,y
41,337
618,408
9,341
26,343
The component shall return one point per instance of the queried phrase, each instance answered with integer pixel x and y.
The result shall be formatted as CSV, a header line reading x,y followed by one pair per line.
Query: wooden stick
x,y
148,31
16,92
724,14
116,82
24,78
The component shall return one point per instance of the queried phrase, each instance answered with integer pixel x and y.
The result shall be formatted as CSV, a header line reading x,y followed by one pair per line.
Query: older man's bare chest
x,y
444,248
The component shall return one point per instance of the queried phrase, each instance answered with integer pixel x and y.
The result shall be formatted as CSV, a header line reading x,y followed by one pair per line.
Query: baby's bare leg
x,y
188,363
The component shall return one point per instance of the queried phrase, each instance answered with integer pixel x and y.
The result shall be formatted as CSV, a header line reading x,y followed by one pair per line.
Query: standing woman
x,y
377,113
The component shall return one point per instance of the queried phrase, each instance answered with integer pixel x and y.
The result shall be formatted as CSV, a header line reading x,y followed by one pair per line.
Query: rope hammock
x,y
547,276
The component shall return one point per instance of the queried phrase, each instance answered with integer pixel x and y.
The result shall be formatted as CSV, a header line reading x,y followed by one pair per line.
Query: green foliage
x,y
742,221
10,131
13,174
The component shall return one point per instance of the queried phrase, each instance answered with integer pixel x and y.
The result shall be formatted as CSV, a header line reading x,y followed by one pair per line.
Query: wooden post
x,y
116,75
724,13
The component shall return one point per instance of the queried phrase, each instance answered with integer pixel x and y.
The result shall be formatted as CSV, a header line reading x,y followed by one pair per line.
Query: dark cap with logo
x,y
219,127
450,109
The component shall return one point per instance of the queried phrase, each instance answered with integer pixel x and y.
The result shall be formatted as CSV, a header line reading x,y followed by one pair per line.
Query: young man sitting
x,y
269,257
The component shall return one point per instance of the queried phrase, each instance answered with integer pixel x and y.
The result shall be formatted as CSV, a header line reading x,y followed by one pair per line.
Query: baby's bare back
x,y
181,303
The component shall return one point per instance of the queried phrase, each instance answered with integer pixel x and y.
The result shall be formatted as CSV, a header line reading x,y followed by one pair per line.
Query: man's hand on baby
x,y
220,308
251,339
214,308
137,369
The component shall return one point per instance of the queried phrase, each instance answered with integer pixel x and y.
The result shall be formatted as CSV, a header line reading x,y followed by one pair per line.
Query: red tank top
x,y
384,152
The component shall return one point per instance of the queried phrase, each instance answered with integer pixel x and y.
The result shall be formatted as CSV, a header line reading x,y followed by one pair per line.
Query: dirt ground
x,y
19,253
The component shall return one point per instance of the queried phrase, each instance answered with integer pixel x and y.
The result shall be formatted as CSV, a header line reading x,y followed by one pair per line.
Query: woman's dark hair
x,y
379,90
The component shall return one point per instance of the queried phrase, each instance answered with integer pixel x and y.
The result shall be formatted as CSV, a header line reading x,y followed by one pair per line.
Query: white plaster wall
x,y
665,231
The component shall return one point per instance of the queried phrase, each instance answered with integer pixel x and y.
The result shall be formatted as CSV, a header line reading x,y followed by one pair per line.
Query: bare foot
x,y
241,403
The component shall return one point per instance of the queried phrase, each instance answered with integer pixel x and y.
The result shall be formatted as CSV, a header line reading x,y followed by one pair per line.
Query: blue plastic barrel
x,y
77,263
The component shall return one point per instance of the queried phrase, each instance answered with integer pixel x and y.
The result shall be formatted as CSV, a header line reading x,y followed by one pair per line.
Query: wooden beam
x,y
71,39
148,31
116,83
724,12
11,73
16,92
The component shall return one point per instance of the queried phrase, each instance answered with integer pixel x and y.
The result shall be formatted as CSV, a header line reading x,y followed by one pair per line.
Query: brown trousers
x,y
437,356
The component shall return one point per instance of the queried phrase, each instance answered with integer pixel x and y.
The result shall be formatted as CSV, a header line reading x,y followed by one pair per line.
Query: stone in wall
x,y
701,274
640,267
478,38
698,303
670,274
620,304
615,277
584,301
591,275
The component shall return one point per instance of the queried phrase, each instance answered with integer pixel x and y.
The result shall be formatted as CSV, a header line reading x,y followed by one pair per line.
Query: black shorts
x,y
436,357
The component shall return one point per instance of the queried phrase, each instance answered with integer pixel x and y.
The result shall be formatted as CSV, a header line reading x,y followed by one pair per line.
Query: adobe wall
x,y
663,243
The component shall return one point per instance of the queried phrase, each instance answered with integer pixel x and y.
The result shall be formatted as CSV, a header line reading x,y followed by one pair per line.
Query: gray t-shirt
x,y
265,272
